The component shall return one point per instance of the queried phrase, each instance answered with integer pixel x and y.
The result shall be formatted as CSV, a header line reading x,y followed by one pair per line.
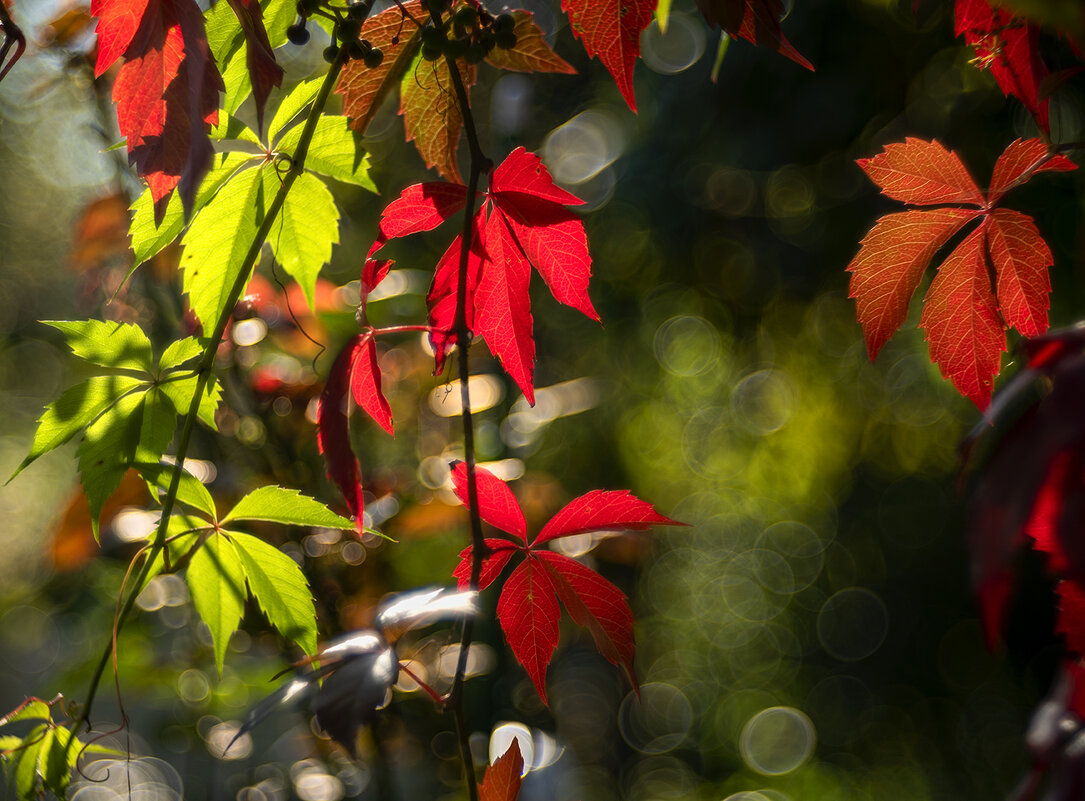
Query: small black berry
x,y
297,34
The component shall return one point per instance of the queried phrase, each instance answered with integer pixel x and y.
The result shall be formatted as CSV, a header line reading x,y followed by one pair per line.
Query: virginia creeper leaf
x,y
500,552
190,490
394,33
528,613
1020,161
31,710
431,114
441,298
302,236
333,431
180,351
109,344
890,263
264,71
118,21
963,328
756,21
333,152
58,760
29,759
420,207
292,105
601,510
502,779
365,385
180,391
216,244
531,53
229,127
157,424
287,506
217,584
610,30
280,588
1021,258
496,503
523,172
923,173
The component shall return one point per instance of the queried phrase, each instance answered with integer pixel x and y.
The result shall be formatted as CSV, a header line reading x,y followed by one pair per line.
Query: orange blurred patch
x,y
73,544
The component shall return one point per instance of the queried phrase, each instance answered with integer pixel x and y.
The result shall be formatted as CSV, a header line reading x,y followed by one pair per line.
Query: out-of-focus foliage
x,y
812,634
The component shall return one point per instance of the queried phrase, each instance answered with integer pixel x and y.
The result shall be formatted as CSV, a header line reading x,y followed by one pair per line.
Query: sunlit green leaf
x,y
300,96
216,245
663,14
278,16
302,235
26,768
58,756
148,238
280,589
288,506
180,391
333,152
34,710
117,345
180,351
157,425
108,448
217,584
230,127
76,408
190,490
227,45
178,545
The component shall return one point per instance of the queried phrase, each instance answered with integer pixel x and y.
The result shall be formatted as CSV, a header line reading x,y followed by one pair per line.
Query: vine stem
x,y
205,368
479,164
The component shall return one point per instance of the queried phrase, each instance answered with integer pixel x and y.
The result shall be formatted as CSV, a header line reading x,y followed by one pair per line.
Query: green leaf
x,y
217,584
300,96
26,769
302,236
58,758
190,490
179,543
288,506
148,238
278,16
663,14
117,345
334,152
34,710
227,45
280,589
157,426
180,351
721,51
108,448
76,408
230,127
216,245
180,391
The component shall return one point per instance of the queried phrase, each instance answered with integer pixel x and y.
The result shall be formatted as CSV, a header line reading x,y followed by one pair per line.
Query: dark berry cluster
x,y
470,33
346,29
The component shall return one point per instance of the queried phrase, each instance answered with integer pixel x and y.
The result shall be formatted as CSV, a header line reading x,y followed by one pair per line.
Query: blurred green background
x,y
810,636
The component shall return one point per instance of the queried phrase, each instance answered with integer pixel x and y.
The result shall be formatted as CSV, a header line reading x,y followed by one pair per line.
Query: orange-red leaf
x,y
528,613
496,503
431,114
923,173
964,330
420,207
364,88
1021,258
531,52
365,384
118,21
502,779
886,271
1019,162
610,30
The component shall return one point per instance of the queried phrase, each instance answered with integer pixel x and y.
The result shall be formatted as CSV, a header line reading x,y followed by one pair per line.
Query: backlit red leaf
x,y
333,429
264,72
441,298
363,88
118,21
531,53
365,384
503,306
431,113
501,551
419,207
756,21
596,604
496,503
1019,162
502,779
886,271
1021,258
601,510
964,330
923,173
610,30
528,613
523,172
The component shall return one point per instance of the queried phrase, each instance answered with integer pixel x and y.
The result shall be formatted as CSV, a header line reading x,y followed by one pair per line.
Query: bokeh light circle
x,y
583,147
656,722
764,401
852,624
135,778
777,740
676,50
687,345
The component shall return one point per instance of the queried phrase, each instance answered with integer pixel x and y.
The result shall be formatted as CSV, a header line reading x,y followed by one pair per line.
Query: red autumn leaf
x,y
442,295
363,88
500,552
965,326
264,72
756,21
1009,47
333,429
528,608
496,503
365,384
964,331
420,207
166,91
502,779
531,53
610,30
